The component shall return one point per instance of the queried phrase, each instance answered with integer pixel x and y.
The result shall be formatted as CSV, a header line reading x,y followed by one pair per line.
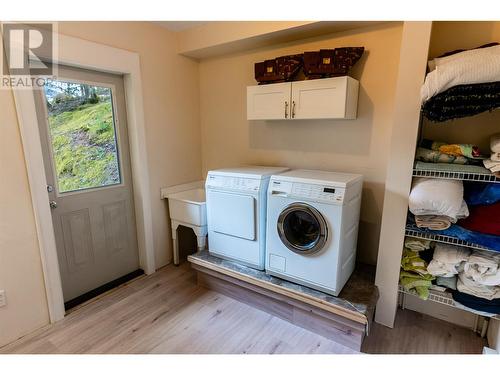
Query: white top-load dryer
x,y
236,213
312,227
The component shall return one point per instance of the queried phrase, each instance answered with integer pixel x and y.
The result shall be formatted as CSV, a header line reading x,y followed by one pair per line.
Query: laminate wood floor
x,y
416,333
169,313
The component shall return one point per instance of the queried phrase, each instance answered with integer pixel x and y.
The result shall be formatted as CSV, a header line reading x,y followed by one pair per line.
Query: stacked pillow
x,y
469,67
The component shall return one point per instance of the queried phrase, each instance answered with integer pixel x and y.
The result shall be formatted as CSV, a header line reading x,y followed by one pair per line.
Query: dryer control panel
x,y
233,183
314,192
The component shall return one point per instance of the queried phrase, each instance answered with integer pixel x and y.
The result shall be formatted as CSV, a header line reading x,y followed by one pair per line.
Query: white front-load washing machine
x,y
236,213
312,227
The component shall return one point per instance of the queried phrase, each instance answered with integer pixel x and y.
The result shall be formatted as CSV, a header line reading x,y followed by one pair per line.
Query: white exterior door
x,y
269,102
83,129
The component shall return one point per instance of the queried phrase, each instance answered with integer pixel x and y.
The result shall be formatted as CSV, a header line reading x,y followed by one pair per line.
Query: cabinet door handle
x,y
293,109
286,109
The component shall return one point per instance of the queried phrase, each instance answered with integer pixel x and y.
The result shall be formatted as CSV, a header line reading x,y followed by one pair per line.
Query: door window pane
x,y
82,135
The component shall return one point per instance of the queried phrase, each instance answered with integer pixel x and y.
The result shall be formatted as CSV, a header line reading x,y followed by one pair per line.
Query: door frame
x,y
80,53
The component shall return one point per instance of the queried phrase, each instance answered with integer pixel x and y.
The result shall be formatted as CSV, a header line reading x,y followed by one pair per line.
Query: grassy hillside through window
x,y
84,148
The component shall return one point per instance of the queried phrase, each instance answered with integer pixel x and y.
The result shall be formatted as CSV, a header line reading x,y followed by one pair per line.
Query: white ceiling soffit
x,y
216,38
177,26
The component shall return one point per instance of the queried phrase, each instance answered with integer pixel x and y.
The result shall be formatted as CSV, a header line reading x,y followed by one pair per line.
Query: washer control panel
x,y
307,191
233,183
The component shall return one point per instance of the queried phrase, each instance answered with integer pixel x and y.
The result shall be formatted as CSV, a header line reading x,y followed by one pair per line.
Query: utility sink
x,y
189,207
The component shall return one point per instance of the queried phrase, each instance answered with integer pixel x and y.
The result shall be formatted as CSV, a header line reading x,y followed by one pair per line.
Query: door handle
x,y
280,193
53,204
293,109
286,109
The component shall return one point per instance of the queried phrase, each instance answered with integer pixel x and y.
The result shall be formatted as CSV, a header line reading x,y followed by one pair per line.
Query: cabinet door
x,y
331,98
269,102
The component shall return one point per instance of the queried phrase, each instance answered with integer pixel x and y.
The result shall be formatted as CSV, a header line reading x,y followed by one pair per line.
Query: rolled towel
x,y
417,244
433,222
495,142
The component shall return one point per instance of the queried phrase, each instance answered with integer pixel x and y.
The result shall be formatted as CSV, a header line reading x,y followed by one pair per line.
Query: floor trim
x,y
102,289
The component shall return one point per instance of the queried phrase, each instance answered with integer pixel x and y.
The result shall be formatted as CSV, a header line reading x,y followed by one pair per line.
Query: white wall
x,y
358,146
20,266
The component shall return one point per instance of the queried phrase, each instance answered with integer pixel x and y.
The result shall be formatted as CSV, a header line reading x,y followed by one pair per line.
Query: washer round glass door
x,y
302,228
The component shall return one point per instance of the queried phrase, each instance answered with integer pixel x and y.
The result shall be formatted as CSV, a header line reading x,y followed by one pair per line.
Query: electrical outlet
x,y
3,299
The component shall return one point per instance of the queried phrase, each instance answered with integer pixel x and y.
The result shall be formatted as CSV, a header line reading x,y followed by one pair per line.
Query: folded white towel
x,y
468,67
431,196
466,285
436,268
484,268
495,142
451,254
495,156
447,260
493,166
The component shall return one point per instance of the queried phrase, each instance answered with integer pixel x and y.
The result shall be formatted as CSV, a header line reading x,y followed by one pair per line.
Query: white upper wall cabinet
x,y
269,102
328,98
331,98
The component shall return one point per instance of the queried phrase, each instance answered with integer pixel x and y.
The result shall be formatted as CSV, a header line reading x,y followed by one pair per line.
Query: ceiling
x,y
180,25
205,39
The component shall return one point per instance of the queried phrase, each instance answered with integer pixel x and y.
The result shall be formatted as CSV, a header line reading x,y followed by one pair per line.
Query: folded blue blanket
x,y
476,303
486,240
481,193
